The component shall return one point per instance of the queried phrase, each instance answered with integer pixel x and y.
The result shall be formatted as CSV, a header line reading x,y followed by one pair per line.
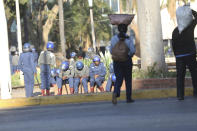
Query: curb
x,y
66,99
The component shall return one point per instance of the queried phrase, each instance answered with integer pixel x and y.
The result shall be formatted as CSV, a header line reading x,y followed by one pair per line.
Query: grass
x,y
17,82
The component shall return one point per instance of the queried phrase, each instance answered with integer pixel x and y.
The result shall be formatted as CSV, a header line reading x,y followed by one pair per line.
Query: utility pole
x,y
61,27
92,24
19,40
18,21
5,75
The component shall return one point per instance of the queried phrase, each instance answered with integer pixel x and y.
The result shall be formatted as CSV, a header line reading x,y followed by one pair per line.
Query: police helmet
x,y
114,78
79,65
73,54
65,65
53,72
26,47
58,71
96,59
50,46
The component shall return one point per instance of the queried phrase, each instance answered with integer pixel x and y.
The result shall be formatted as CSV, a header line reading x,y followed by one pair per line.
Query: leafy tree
x,y
77,23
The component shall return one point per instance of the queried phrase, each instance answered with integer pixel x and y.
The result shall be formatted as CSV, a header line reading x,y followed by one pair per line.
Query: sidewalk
x,y
93,97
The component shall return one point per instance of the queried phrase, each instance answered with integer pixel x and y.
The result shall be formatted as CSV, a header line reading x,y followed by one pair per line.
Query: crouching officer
x,y
46,62
27,66
109,82
66,75
97,74
81,76
53,78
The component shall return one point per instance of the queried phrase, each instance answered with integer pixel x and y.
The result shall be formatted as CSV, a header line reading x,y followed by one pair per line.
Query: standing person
x,y
66,75
72,63
97,74
14,58
110,82
122,49
185,52
46,62
81,76
72,59
81,53
27,66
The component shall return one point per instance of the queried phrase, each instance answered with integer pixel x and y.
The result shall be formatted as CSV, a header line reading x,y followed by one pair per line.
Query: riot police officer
x,y
66,75
46,62
81,76
27,66
97,74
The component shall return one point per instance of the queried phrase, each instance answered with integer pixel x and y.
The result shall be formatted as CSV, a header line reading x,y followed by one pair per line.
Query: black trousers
x,y
181,64
123,70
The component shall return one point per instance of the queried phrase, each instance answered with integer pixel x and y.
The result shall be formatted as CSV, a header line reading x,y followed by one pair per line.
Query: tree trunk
x,y
26,24
61,27
150,30
5,75
39,29
49,23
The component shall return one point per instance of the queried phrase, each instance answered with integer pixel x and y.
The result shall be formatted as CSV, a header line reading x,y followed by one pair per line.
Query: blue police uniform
x,y
99,70
46,62
109,81
27,66
66,76
81,75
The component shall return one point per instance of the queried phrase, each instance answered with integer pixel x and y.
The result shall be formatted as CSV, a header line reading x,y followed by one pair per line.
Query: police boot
x,y
71,90
101,89
92,89
59,91
43,92
48,92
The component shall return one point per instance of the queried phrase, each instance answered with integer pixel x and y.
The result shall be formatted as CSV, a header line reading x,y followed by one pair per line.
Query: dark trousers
x,y
181,64
123,70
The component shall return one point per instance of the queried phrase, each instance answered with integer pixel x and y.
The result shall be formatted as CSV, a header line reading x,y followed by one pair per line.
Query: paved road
x,y
143,115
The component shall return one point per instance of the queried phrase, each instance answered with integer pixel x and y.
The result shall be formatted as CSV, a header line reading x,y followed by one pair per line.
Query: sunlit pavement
x,y
143,115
